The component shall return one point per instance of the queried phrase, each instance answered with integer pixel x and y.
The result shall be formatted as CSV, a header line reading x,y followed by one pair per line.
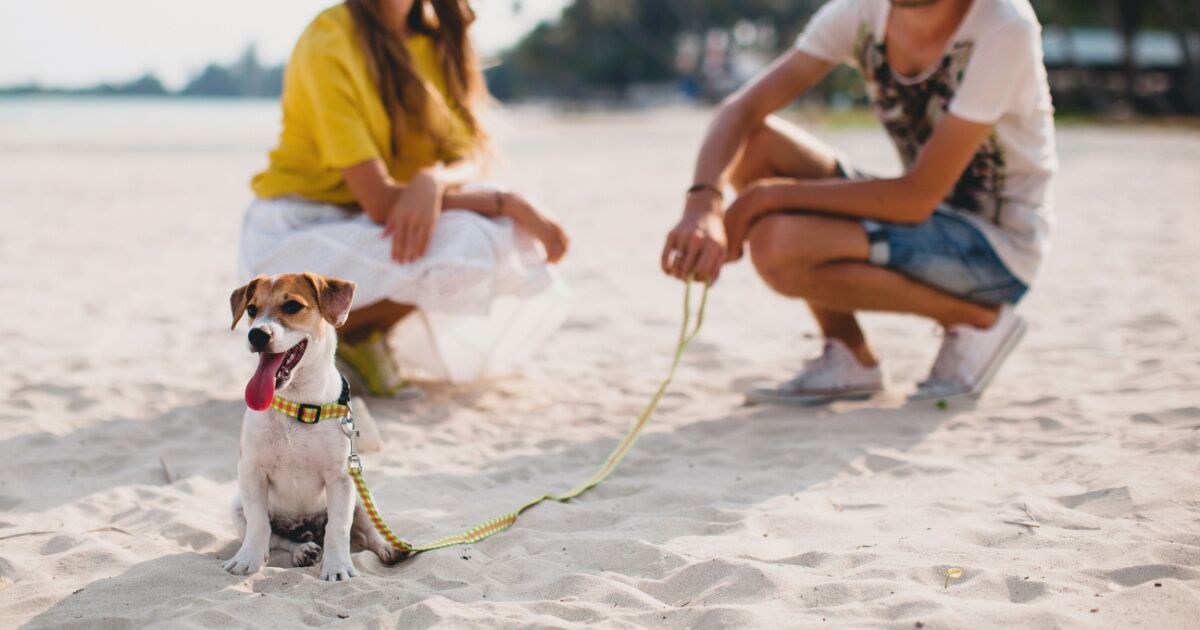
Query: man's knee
x,y
763,241
783,262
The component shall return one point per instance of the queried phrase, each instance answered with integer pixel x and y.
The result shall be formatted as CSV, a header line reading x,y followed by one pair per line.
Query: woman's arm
x,y
377,193
409,211
697,243
910,198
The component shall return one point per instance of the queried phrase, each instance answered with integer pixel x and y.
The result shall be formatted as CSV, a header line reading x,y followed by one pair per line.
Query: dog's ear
x,y
333,297
240,298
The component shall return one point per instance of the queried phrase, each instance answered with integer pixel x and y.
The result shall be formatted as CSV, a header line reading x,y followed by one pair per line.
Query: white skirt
x,y
486,299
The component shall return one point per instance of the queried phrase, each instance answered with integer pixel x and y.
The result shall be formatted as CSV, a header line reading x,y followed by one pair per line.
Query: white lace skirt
x,y
485,297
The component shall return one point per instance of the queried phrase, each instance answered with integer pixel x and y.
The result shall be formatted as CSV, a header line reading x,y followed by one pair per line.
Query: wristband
x,y
702,187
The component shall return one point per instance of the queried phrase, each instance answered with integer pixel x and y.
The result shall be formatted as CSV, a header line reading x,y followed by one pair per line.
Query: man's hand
x,y
748,208
697,243
526,214
413,215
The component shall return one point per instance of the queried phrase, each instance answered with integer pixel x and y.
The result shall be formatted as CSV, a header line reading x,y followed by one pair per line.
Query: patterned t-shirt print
x,y
910,111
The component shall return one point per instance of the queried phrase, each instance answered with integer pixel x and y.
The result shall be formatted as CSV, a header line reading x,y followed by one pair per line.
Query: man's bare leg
x,y
824,260
779,149
843,326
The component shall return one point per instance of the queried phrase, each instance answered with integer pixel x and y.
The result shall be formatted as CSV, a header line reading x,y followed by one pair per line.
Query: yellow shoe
x,y
369,365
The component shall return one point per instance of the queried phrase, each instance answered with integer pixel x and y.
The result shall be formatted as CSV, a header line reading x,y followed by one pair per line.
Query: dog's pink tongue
x,y
261,388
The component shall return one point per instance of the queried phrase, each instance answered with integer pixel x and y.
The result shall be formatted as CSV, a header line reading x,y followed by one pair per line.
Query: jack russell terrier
x,y
295,491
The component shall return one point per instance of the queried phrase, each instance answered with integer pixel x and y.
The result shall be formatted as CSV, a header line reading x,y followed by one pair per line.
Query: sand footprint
x,y
1022,590
1140,574
1106,502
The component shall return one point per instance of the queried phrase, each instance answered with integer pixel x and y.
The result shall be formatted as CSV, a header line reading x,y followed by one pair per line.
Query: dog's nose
x,y
259,338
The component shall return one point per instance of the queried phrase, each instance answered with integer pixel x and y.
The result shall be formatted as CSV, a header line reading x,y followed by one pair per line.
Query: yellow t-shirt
x,y
333,116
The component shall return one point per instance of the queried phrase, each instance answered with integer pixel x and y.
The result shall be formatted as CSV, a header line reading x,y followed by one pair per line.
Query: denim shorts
x,y
946,251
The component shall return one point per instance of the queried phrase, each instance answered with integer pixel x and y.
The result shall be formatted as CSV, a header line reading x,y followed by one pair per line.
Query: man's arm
x,y
910,198
783,81
697,244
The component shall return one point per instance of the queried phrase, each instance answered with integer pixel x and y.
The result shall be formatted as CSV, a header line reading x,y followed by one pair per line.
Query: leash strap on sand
x,y
488,528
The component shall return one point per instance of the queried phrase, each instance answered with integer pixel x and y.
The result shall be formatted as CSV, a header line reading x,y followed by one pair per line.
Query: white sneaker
x,y
970,357
835,375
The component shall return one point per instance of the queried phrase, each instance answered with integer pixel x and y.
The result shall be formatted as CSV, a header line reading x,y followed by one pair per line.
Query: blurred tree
x,y
607,45
147,85
602,47
1129,18
245,77
1184,21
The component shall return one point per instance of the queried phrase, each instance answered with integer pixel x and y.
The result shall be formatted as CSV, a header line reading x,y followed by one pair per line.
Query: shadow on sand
x,y
761,454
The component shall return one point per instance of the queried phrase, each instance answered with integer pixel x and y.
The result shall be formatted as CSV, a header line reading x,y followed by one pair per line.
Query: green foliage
x,y
148,85
604,46
243,78
601,47
1101,14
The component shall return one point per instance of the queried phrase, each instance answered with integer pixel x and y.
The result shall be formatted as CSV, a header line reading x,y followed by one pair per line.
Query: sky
x,y
74,43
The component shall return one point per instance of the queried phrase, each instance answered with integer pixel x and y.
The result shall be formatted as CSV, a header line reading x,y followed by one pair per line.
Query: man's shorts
x,y
946,251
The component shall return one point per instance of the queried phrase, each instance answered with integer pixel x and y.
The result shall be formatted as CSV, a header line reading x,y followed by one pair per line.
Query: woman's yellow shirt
x,y
333,116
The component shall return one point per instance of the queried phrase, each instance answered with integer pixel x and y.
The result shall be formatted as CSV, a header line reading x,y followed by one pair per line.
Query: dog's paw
x,y
306,554
337,570
388,554
245,562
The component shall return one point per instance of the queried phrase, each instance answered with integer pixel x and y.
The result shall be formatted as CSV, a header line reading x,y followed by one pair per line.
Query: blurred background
x,y
130,130
1109,58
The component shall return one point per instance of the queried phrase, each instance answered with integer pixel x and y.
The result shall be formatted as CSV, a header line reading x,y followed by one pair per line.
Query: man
x,y
961,89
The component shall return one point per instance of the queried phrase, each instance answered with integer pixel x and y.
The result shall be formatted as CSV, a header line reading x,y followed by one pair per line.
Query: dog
x,y
295,493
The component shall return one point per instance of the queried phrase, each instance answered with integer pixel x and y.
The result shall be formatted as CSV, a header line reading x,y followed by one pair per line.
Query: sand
x,y
1068,495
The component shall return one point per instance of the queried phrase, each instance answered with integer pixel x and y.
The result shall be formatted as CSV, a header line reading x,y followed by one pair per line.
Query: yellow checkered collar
x,y
312,414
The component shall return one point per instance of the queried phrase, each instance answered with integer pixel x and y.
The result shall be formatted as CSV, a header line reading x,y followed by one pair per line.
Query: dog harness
x,y
312,414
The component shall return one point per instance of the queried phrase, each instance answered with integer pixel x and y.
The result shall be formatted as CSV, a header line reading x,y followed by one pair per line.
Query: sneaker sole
x,y
1006,347
767,397
920,395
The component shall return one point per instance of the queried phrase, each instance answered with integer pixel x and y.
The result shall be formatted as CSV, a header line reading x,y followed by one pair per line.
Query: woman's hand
x,y
749,207
526,214
697,243
413,215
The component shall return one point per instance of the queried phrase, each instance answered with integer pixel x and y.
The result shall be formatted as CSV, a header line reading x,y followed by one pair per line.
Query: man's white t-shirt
x,y
991,72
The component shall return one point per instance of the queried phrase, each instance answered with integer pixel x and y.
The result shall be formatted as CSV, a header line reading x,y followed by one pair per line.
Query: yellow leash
x,y
496,525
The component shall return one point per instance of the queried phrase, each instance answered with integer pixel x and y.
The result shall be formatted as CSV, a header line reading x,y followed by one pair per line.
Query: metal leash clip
x,y
351,433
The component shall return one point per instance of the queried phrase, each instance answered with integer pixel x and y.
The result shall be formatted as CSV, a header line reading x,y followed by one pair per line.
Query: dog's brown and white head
x,y
288,313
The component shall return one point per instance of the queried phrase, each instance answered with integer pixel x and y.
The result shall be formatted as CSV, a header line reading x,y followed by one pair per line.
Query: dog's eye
x,y
291,307
252,310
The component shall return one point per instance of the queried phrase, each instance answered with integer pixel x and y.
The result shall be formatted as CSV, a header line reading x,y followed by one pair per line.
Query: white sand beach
x,y
1069,495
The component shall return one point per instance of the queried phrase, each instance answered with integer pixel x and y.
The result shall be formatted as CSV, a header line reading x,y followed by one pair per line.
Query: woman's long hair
x,y
404,94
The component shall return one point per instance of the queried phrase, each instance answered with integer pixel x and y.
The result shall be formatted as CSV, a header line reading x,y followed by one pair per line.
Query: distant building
x,y
1087,69
1103,48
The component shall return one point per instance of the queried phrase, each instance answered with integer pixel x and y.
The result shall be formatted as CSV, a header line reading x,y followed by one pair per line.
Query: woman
x,y
373,181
